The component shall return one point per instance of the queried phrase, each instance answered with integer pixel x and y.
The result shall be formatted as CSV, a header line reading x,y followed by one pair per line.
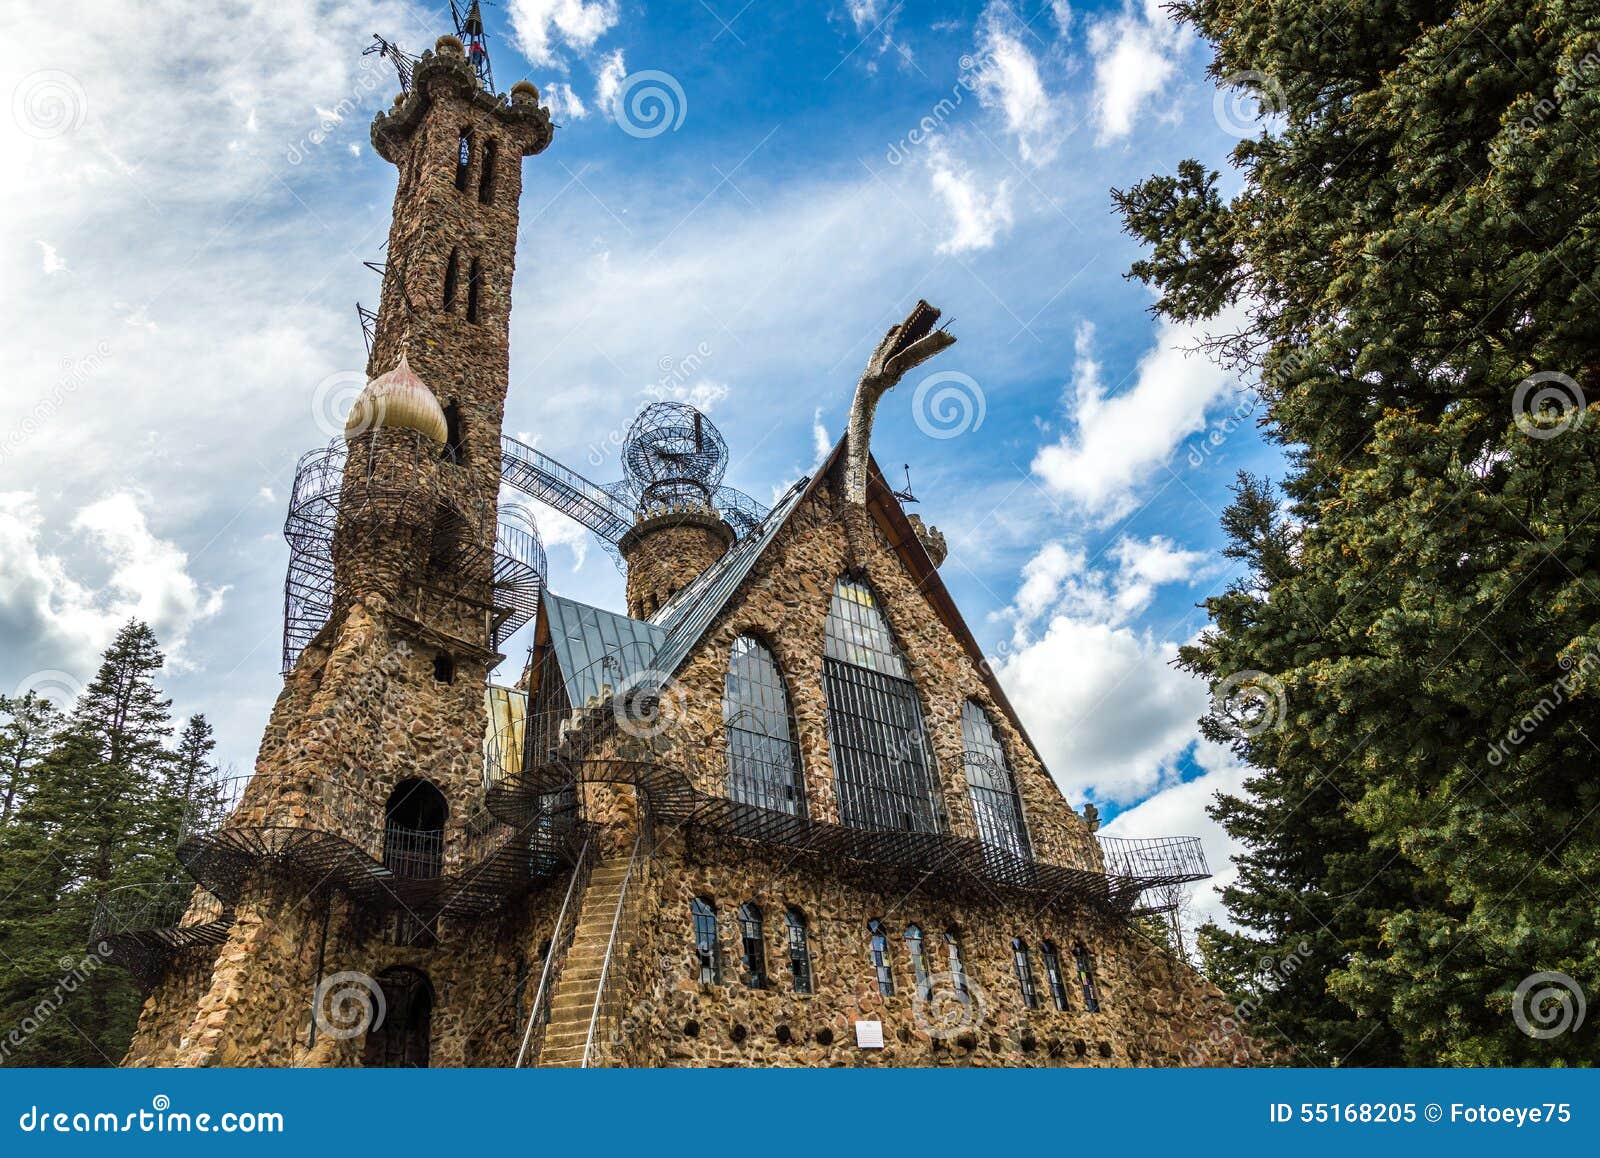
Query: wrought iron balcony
x,y
140,927
333,833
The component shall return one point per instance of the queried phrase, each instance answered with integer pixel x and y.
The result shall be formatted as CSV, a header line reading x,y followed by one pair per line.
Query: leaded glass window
x,y
705,940
799,951
881,757
990,785
919,962
763,757
753,940
1025,982
881,967
1052,973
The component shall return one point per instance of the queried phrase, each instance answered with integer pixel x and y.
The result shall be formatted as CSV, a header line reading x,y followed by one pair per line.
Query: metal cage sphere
x,y
673,443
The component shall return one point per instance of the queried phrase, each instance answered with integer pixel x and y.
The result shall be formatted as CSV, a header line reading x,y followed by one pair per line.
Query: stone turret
x,y
666,549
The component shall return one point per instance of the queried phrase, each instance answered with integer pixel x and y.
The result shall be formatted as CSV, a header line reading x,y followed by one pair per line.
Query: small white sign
x,y
869,1034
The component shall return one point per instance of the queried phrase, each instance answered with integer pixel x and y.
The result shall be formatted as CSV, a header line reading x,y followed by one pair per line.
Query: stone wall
x,y
666,551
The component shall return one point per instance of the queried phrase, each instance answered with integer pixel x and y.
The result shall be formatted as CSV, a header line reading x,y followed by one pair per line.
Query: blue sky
x,y
192,194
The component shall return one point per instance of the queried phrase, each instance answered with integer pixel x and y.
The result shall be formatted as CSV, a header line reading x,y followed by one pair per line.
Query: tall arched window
x,y
753,940
990,784
1052,973
958,971
705,940
1085,967
452,275
882,970
463,158
919,961
413,830
1025,982
474,289
880,749
799,950
401,1039
763,757
486,178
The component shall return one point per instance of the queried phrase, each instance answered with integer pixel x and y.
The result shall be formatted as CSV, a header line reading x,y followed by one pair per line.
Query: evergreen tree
x,y
29,731
1413,251
97,817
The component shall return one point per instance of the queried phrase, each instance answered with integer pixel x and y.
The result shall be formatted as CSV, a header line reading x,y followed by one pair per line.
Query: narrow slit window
x,y
1085,968
452,276
454,447
753,941
474,290
881,968
486,178
463,158
444,668
1052,973
919,962
705,939
1025,982
799,951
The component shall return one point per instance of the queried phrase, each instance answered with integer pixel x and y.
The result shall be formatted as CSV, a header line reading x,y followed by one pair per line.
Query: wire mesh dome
x,y
673,455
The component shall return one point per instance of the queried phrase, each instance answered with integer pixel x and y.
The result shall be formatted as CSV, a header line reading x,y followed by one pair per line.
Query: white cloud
x,y
49,260
608,83
1181,811
563,102
1115,442
60,619
1135,56
1010,82
977,218
864,13
703,395
559,530
540,24
821,443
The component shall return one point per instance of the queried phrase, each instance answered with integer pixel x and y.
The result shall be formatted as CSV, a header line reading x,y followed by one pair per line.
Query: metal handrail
x,y
581,869
611,945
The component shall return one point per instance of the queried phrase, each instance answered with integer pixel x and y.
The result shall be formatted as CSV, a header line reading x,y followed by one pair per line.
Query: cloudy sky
x,y
189,195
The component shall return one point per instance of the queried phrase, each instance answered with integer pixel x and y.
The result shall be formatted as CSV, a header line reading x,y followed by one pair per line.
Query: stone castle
x,y
778,813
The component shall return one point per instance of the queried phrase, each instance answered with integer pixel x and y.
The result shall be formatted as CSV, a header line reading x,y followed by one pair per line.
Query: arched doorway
x,y
413,830
401,1040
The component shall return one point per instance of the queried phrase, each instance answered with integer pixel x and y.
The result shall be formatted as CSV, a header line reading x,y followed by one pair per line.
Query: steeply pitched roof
x,y
596,647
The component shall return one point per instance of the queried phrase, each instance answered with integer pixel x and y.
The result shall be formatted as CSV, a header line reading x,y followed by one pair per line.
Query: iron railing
x,y
140,927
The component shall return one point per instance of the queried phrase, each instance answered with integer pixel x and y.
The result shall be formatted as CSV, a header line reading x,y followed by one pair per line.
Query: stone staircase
x,y
572,1002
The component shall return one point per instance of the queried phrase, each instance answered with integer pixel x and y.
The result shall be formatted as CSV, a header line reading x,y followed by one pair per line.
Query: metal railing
x,y
141,926
555,957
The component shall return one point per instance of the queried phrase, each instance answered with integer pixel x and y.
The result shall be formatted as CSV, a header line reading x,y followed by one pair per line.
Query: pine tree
x,y
96,818
1413,249
29,731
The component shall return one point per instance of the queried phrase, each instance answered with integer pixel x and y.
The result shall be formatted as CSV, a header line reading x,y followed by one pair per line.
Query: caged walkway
x,y
590,747
140,927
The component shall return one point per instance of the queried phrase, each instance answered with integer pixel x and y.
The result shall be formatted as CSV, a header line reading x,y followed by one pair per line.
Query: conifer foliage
x,y
92,801
1416,641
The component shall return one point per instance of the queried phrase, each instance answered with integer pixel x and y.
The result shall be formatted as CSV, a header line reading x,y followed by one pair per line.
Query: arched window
x,y
1052,973
881,967
799,950
753,940
990,784
958,971
880,750
705,940
919,962
1030,991
763,757
402,1038
1085,967
452,275
486,178
474,289
413,830
463,158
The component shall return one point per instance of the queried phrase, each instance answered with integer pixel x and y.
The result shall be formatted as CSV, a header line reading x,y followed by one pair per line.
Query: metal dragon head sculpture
x,y
904,348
